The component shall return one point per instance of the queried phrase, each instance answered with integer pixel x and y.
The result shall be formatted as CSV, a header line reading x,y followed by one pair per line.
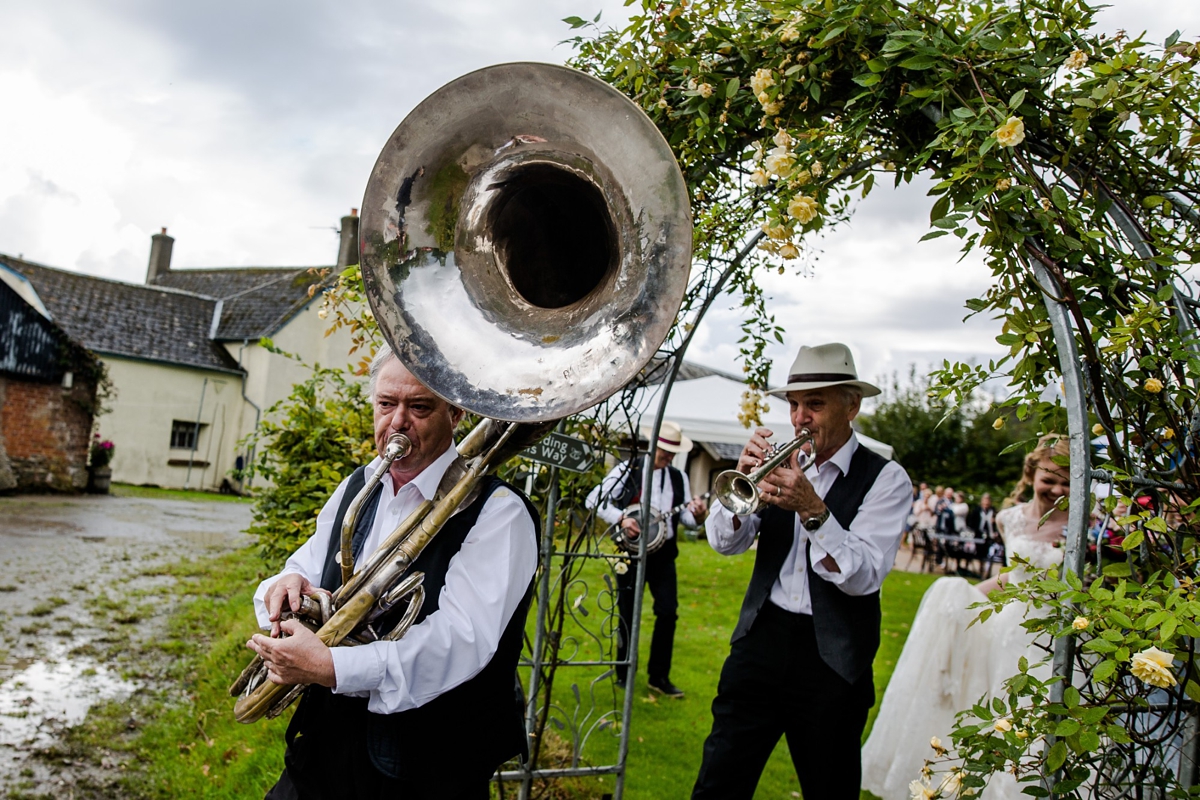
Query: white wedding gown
x,y
947,667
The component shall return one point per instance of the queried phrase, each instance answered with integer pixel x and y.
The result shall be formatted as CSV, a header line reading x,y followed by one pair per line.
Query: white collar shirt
x,y
662,495
864,553
485,583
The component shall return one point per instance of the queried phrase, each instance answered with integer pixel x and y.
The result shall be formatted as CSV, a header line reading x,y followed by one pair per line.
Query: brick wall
x,y
46,433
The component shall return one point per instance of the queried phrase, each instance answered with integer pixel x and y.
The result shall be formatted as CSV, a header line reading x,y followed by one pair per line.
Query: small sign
x,y
561,451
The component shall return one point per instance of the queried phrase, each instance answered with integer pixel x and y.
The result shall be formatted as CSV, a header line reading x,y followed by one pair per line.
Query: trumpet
x,y
739,492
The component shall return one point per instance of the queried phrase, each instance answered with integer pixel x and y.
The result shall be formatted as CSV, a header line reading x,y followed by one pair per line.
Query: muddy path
x,y
81,579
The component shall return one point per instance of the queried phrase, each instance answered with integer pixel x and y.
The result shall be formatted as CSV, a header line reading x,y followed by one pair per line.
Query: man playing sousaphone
x,y
432,714
669,489
800,659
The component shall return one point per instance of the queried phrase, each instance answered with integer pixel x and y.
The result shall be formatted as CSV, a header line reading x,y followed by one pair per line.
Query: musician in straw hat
x,y
432,714
800,658
670,494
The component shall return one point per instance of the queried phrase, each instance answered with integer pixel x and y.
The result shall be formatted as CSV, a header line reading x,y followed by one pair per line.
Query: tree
x,y
306,444
941,443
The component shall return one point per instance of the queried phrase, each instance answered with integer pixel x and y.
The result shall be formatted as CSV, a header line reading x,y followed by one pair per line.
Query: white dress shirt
x,y
662,496
485,582
864,553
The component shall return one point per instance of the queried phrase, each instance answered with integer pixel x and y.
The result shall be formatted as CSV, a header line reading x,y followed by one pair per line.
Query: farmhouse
x,y
185,355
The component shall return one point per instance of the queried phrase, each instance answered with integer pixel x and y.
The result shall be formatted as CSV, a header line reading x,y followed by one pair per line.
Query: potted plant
x,y
99,471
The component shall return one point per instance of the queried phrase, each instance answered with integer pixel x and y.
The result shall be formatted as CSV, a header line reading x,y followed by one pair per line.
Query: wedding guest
x,y
960,509
981,519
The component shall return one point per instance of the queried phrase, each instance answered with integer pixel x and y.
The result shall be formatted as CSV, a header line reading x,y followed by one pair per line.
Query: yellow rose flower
x,y
1021,734
323,313
999,423
1011,133
1097,429
704,90
936,744
760,178
662,103
817,169
771,109
803,208
782,139
779,162
620,567
1153,385
1076,60
951,784
1003,185
1080,623
1153,666
1002,725
789,251
760,81
919,791
802,178
763,98
776,231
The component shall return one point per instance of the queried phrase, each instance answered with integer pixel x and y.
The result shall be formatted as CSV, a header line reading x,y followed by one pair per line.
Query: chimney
x,y
160,256
348,247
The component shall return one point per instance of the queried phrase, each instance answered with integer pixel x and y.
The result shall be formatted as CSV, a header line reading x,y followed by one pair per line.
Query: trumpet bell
x,y
525,241
736,492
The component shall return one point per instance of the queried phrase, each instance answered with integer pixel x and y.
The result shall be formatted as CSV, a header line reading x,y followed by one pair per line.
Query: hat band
x,y
665,440
820,377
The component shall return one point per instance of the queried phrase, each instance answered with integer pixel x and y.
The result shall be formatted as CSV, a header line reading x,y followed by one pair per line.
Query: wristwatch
x,y
813,523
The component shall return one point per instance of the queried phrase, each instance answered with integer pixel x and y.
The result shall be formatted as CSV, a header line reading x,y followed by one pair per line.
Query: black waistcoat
x,y
847,627
462,734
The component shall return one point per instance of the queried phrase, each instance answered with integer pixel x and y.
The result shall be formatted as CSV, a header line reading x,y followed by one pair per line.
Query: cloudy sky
x,y
248,128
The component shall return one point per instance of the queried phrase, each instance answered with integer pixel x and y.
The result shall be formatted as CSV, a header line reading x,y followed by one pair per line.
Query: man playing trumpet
x,y
801,654
432,714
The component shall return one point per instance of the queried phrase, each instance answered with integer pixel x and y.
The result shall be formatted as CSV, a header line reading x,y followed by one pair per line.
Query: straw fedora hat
x,y
824,365
670,437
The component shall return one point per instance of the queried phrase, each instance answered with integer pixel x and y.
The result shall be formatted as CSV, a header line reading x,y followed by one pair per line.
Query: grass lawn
x,y
190,746
129,490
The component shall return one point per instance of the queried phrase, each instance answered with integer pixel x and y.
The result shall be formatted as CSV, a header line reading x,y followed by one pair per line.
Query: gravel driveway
x,y
79,578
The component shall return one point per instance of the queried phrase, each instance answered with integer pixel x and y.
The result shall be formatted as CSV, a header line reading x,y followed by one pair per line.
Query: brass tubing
x,y
398,446
357,606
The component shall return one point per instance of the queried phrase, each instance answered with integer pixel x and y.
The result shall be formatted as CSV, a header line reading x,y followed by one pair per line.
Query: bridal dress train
x,y
946,667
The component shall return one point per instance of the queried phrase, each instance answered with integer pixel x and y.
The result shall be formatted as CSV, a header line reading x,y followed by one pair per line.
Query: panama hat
x,y
670,437
821,366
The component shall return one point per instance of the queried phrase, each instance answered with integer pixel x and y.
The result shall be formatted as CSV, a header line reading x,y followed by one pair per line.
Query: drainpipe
x,y
257,412
196,436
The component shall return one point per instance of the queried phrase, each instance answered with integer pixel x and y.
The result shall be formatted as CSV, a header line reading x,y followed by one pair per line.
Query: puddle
x,y
69,616
54,693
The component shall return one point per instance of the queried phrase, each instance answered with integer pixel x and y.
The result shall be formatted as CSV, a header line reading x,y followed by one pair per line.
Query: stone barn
x,y
48,397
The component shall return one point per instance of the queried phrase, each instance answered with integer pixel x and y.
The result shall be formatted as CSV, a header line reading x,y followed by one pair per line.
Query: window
x,y
184,434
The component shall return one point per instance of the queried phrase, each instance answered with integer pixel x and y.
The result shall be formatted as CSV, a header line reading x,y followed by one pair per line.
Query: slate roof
x,y
255,301
126,319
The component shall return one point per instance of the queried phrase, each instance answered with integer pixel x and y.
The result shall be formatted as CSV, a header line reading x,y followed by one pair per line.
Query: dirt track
x,y
79,577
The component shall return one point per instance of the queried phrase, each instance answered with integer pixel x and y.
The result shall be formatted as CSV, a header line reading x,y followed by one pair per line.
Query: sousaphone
x,y
525,246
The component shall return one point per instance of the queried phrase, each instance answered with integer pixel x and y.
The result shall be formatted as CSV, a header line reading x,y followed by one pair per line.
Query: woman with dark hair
x,y
946,666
